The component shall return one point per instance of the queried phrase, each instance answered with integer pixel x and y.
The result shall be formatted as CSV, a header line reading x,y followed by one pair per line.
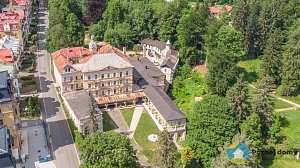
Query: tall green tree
x,y
241,15
291,62
262,105
275,130
188,158
252,128
75,30
232,40
205,133
94,10
120,36
166,150
237,97
92,114
272,57
271,18
57,38
221,71
191,30
102,150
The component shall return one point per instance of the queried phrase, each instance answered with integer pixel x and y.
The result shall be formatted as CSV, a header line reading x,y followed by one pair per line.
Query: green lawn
x,y
28,84
107,126
127,114
185,89
250,68
278,104
291,132
295,99
146,127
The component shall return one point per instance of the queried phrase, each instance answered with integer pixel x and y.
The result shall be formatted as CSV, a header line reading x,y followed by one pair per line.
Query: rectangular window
x,y
108,83
72,87
102,84
115,91
76,86
65,79
127,89
127,73
89,77
76,77
121,74
115,82
103,93
81,77
108,75
115,75
121,90
89,85
96,76
108,92
71,78
121,82
127,81
102,76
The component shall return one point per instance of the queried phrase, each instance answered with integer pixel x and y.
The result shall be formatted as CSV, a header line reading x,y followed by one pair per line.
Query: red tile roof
x,y
12,16
60,56
6,56
217,10
19,2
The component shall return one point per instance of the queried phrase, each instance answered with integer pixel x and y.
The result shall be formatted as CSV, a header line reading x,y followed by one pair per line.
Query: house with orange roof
x,y
103,72
6,56
216,11
12,23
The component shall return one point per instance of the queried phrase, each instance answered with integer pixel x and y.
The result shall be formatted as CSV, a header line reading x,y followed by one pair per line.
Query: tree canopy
x,y
102,150
205,133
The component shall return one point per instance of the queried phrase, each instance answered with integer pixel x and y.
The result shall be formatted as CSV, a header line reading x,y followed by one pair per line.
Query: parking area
x,y
35,142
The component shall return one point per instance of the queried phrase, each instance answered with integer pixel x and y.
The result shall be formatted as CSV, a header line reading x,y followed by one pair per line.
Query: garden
x,y
28,84
127,115
30,107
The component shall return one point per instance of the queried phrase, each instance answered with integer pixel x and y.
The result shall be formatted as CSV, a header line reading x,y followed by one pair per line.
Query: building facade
x,y
162,55
9,111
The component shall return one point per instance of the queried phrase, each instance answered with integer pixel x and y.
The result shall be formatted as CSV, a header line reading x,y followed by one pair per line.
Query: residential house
x,y
162,55
12,72
6,158
78,104
12,23
9,111
216,11
13,44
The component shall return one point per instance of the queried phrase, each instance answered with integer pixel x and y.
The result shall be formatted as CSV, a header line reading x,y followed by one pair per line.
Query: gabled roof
x,y
218,10
12,15
159,44
163,103
3,79
3,140
99,62
146,72
171,59
107,48
6,56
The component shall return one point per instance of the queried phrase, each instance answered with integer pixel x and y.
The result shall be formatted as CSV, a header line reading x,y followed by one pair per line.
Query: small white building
x,y
162,55
77,103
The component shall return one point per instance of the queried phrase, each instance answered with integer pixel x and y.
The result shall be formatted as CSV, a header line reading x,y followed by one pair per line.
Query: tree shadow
x,y
44,87
268,158
251,77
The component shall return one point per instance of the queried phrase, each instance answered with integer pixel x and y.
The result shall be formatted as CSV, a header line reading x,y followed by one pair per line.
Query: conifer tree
x,y
237,97
291,63
92,113
271,59
166,151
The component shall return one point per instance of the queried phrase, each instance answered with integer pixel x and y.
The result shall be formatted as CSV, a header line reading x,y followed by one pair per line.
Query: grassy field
x,y
278,104
107,126
295,99
250,68
28,84
146,127
291,132
127,114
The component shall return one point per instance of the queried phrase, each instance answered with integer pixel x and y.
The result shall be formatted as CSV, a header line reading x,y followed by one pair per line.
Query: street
x,y
60,139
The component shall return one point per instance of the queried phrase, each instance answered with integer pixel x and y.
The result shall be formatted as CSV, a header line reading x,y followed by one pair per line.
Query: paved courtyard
x,y
37,142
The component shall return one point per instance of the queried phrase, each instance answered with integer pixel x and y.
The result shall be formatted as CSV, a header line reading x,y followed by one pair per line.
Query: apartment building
x,y
104,74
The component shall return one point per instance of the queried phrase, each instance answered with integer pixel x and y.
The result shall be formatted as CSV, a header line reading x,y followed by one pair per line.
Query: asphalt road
x,y
60,139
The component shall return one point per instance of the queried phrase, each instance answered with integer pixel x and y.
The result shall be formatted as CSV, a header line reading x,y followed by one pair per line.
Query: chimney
x,y
68,53
81,51
124,51
144,51
146,67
